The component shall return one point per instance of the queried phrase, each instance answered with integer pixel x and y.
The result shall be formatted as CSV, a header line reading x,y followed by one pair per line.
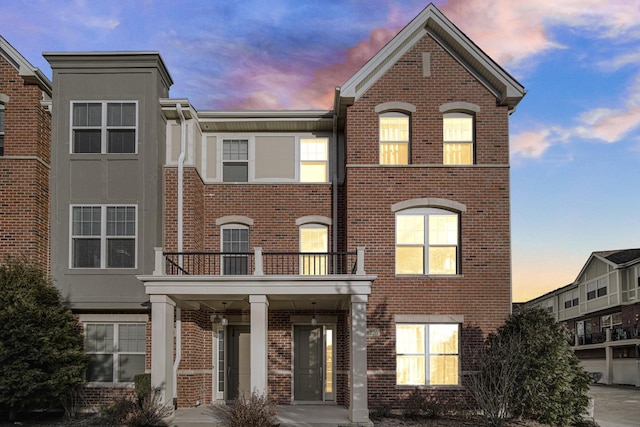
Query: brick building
x,y
25,135
338,256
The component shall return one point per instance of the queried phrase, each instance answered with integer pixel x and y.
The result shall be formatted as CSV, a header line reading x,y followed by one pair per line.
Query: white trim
x,y
459,106
394,106
429,318
314,219
234,219
112,318
429,202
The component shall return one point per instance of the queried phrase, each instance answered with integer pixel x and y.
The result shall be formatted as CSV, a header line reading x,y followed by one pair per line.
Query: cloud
x,y
531,144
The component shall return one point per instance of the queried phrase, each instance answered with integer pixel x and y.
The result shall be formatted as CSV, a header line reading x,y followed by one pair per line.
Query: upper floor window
x,y
116,351
314,240
394,138
571,299
314,160
235,160
427,354
458,139
427,241
1,131
235,249
597,288
103,236
104,127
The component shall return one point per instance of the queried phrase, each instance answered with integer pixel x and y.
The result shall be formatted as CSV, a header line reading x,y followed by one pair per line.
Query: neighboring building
x,y
25,135
601,310
334,256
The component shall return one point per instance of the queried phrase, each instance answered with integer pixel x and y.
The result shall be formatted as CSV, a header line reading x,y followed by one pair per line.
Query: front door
x,y
313,363
238,361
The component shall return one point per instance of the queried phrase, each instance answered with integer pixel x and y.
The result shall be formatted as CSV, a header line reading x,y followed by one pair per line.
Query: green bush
x,y
146,411
143,385
256,411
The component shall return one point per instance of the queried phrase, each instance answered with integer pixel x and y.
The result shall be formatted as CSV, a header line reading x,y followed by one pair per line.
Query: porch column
x,y
259,321
358,411
608,351
162,317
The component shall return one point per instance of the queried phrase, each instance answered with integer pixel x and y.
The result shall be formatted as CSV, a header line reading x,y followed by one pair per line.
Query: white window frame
x,y
471,142
250,148
104,128
301,162
571,299
427,354
388,141
319,262
596,287
116,353
2,123
233,226
426,213
103,236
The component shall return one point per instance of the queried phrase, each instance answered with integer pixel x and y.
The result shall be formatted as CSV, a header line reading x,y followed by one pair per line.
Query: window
x,y
427,354
458,139
547,306
427,242
394,139
103,236
313,240
313,160
104,127
609,321
235,248
571,299
235,160
116,351
597,288
1,131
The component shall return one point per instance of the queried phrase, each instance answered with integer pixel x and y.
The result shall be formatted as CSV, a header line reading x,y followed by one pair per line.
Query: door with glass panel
x,y
314,356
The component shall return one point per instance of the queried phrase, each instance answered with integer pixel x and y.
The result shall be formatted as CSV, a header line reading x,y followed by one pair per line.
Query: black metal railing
x,y
309,263
209,263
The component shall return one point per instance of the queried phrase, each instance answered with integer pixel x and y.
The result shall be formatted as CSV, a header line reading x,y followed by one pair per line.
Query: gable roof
x,y
432,22
620,258
27,71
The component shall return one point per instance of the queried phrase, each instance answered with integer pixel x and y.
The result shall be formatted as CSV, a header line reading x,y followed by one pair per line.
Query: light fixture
x,y
314,321
224,320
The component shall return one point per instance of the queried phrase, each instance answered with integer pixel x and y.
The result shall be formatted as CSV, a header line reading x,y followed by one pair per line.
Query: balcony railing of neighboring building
x,y
260,263
615,334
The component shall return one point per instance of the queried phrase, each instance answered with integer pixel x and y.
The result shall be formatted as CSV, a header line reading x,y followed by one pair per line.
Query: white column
x,y
258,267
162,317
360,261
259,321
158,263
358,411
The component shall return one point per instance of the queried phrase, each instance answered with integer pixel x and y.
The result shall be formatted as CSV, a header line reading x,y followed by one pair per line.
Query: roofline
x,y
27,71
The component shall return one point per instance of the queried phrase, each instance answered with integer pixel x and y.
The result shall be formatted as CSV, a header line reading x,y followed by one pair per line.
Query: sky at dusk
x,y
575,137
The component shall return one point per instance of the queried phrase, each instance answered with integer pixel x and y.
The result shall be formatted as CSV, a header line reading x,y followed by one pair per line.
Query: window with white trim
x,y
116,351
104,127
1,131
103,236
235,160
597,288
427,354
458,139
314,239
427,241
235,248
314,154
571,298
394,138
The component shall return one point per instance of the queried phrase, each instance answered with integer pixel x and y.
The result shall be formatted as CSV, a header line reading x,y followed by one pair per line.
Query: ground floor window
x,y
427,354
116,351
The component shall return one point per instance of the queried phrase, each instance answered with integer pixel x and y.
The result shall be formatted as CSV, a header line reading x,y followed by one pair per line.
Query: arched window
x,y
234,241
314,241
394,138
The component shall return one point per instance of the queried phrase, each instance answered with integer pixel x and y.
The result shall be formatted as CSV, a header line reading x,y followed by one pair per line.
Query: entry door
x,y
238,361
308,363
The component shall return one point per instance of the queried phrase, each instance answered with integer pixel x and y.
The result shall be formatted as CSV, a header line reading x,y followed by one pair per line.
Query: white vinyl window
x,y
571,299
116,351
597,288
103,236
104,127
314,241
394,138
427,354
458,139
235,249
427,242
235,160
314,154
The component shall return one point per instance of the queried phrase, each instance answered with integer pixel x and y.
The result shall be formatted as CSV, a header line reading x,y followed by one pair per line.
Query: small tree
x,y
41,347
541,376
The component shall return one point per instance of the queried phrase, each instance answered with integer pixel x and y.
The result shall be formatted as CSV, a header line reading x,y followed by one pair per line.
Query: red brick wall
x,y
24,182
195,373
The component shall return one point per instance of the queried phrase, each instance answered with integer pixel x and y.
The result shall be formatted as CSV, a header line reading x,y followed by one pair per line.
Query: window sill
x,y
430,387
428,276
109,385
103,156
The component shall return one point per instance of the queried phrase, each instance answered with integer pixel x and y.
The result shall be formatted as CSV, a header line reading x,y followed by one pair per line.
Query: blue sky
x,y
575,138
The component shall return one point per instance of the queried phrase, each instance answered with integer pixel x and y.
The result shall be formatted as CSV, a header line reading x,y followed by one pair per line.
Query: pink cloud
x,y
608,125
530,144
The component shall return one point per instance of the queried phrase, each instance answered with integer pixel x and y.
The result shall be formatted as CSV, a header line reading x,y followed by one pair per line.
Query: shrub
x,y
256,411
146,411
420,405
143,385
41,348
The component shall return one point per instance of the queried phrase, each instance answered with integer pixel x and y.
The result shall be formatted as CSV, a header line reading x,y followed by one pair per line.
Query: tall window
x,y
394,139
235,248
313,160
104,127
427,242
116,351
458,139
597,288
103,236
235,160
314,241
427,354
1,131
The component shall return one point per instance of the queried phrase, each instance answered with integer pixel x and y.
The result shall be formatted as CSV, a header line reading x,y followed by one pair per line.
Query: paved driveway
x,y
616,406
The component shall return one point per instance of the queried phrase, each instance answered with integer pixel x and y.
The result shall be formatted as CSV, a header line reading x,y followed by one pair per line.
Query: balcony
x,y
608,337
259,263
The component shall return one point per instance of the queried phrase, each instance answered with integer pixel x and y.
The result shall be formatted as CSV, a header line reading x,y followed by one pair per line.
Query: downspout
x,y
334,175
183,146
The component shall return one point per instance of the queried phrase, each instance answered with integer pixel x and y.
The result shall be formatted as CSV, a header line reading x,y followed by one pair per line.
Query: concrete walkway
x,y
616,406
